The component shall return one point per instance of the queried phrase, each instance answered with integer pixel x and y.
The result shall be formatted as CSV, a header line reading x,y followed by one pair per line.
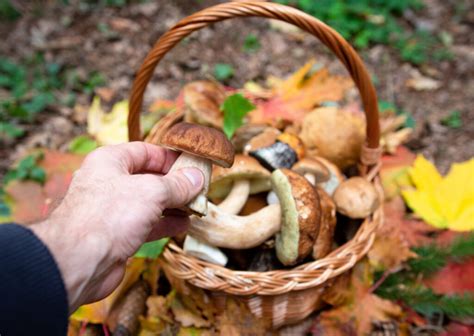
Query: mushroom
x,y
203,251
335,176
245,134
323,243
301,215
200,147
222,229
313,170
245,177
264,138
202,102
335,134
283,153
356,198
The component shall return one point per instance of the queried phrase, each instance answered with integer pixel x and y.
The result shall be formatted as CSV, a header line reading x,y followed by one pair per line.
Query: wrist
x,y
77,255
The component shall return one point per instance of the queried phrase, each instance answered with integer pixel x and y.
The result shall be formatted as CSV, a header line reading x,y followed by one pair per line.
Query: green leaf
x,y
453,120
151,250
235,108
38,103
223,71
4,209
251,43
10,130
82,145
37,174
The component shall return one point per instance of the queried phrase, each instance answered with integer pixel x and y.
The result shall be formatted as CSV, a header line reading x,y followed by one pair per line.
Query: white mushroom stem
x,y
235,200
236,232
185,160
203,251
272,198
311,178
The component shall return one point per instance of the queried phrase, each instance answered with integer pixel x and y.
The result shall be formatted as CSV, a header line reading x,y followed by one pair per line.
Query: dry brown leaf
x,y
360,311
185,316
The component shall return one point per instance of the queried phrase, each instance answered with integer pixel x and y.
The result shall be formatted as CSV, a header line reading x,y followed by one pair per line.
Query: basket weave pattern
x,y
283,296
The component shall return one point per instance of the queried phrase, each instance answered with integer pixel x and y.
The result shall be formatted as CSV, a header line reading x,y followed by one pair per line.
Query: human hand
x,y
114,204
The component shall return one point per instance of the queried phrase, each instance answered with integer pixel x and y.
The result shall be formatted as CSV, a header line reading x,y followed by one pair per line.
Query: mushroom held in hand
x,y
314,171
245,177
221,229
200,146
301,213
323,243
356,198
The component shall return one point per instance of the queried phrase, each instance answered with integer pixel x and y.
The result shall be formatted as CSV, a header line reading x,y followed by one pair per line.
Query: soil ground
x,y
74,36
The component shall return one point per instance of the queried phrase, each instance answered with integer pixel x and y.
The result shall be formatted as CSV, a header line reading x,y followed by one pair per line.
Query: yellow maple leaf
x,y
108,128
444,202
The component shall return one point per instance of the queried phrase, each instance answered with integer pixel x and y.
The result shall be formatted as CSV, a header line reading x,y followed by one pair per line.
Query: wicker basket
x,y
283,296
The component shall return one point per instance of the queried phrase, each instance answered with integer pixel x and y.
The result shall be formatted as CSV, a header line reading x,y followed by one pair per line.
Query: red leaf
x,y
453,278
33,202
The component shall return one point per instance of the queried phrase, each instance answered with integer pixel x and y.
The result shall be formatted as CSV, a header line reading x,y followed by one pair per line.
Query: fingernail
x,y
194,176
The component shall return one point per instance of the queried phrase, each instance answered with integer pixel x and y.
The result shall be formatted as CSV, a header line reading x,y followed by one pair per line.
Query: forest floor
x,y
113,41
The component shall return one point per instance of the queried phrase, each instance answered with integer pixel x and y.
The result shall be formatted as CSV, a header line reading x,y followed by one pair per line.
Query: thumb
x,y
182,186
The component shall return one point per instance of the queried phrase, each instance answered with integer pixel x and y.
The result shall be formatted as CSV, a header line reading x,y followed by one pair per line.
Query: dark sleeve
x,y
33,300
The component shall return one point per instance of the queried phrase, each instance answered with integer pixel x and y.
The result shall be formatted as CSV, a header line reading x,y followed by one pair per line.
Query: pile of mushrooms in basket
x,y
274,197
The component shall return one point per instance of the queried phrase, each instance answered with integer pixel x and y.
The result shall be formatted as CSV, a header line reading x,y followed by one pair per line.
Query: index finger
x,y
133,157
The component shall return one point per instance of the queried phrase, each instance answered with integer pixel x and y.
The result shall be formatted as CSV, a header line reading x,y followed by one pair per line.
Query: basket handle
x,y
333,40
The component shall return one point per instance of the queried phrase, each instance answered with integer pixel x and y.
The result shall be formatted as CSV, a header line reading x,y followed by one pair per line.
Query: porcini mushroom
x,y
245,177
200,146
356,198
203,251
323,243
335,176
313,170
202,101
283,153
301,213
222,229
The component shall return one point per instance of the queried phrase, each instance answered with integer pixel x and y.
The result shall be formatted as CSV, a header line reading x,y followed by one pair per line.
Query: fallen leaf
x,y
29,201
394,171
292,98
186,317
360,310
422,83
108,128
444,202
454,278
457,329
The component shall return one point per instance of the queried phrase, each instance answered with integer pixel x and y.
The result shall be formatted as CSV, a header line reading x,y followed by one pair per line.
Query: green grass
x,y
368,22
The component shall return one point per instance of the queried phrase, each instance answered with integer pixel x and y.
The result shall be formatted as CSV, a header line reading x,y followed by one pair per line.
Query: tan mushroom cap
x,y
324,241
301,215
356,198
314,167
244,168
202,103
202,141
335,175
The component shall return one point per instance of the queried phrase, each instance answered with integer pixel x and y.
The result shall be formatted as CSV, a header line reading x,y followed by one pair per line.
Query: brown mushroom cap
x,y
264,139
244,168
301,216
202,141
356,198
202,103
314,167
324,241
